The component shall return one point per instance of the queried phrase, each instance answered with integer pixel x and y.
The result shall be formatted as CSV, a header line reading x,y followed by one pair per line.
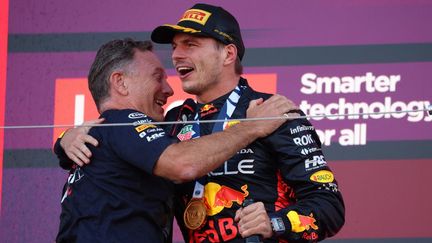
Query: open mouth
x,y
160,102
184,70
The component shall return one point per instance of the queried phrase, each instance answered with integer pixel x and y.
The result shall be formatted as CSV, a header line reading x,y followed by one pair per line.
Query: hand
x,y
275,106
254,220
74,143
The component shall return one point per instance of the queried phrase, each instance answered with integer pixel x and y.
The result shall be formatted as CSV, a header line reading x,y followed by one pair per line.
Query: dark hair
x,y
238,66
111,56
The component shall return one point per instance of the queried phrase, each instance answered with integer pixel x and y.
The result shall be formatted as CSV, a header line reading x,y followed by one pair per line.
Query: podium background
x,y
385,180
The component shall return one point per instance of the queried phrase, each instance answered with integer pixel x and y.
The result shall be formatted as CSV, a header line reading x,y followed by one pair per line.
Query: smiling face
x,y
199,62
146,82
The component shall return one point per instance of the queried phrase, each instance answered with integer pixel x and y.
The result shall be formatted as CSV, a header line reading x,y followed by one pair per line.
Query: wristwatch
x,y
278,225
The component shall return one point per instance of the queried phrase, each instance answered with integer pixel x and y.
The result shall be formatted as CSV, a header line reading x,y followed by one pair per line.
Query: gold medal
x,y
195,214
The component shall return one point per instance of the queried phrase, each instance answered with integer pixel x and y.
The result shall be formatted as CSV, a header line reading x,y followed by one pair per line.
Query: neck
x,y
112,104
223,87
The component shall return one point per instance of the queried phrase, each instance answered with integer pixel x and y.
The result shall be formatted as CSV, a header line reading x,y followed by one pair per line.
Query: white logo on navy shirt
x,y
136,115
155,136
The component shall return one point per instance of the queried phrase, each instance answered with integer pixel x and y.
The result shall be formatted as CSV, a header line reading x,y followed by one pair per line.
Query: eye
x,y
159,78
191,44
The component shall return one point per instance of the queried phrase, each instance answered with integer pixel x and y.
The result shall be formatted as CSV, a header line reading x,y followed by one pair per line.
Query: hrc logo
x,y
196,15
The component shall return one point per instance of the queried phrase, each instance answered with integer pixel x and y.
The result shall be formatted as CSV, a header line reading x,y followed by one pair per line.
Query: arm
x,y
71,147
318,210
64,160
192,159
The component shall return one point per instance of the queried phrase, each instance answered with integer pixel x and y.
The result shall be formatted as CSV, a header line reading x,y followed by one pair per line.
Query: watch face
x,y
278,225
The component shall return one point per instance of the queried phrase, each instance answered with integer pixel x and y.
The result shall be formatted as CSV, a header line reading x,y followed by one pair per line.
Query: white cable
x,y
287,116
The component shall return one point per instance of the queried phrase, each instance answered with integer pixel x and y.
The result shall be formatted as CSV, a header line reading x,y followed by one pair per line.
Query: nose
x,y
177,54
166,89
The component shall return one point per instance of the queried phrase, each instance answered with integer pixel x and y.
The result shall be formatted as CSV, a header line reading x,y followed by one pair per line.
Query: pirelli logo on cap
x,y
196,15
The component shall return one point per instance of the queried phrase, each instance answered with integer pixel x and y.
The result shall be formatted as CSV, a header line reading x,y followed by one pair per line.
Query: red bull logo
x,y
218,197
300,223
308,222
208,109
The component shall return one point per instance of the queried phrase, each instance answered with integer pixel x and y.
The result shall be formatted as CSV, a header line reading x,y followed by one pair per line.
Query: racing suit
x,y
285,170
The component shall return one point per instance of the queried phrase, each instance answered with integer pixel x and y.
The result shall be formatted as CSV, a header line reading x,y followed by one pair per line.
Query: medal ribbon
x,y
195,213
224,114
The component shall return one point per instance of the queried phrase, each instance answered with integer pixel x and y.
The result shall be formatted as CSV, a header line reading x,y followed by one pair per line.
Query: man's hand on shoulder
x,y
74,142
275,107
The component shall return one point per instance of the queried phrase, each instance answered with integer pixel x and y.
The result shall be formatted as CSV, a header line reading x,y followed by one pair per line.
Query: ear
x,y
118,84
231,54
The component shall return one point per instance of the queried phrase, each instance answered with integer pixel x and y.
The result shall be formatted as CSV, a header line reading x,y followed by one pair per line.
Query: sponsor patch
x,y
245,151
329,187
155,136
231,123
301,223
304,140
310,237
144,127
186,133
143,134
322,176
306,151
157,129
227,230
196,15
136,115
232,168
217,197
208,109
301,128
139,122
316,162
